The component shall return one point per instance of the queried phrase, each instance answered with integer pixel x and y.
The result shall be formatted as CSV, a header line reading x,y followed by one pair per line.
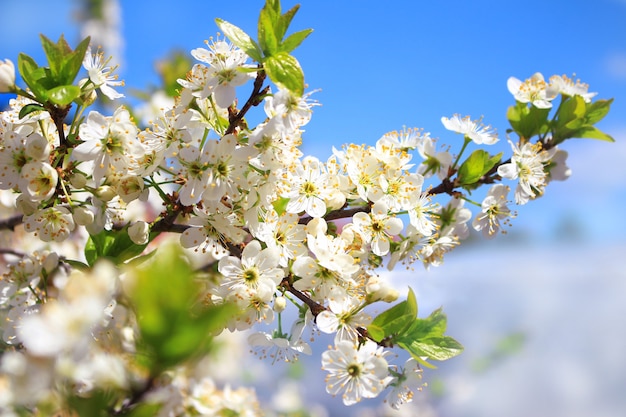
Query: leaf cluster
x,y
574,118
273,49
54,84
423,338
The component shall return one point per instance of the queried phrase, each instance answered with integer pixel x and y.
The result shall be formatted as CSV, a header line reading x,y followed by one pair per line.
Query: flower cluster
x,y
269,229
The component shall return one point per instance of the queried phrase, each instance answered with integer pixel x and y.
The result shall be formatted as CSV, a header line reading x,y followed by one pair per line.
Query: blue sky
x,y
384,65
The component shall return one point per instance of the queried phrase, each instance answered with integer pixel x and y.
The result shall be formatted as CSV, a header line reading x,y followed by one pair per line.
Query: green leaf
x,y
73,62
592,132
294,40
476,165
241,39
96,404
55,53
597,110
432,326
30,108
32,74
113,244
64,94
285,71
571,113
267,37
528,121
143,410
280,205
174,325
394,320
436,348
284,21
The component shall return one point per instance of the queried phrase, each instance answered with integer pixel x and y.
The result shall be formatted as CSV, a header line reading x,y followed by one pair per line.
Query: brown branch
x,y
256,97
11,222
315,307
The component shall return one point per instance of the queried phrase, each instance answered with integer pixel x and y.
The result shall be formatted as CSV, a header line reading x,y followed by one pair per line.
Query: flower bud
x,y
88,93
280,303
380,291
37,147
83,216
78,180
7,76
50,262
106,193
25,205
129,187
139,232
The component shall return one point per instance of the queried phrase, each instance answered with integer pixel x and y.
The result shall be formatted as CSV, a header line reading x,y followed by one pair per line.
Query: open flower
x,y
404,385
101,75
527,166
473,129
256,272
378,227
356,372
494,210
534,90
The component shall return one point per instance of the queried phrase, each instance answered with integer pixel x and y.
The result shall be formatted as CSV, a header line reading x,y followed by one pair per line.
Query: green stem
x,y
465,143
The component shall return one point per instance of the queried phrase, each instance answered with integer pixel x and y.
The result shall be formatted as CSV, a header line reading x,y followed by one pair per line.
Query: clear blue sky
x,y
383,65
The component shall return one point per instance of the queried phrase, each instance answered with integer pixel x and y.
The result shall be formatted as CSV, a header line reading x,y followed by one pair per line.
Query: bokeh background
x,y
541,310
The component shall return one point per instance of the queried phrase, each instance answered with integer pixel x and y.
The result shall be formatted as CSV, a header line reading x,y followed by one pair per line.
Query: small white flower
x,y
51,224
101,75
355,373
405,384
378,227
569,87
473,129
527,166
281,347
39,180
257,271
534,90
344,318
494,210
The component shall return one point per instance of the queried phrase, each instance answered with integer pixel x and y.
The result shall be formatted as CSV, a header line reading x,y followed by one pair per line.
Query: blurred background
x,y
542,310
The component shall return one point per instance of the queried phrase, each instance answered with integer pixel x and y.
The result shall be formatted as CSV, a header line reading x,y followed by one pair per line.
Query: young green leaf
x,y
30,108
32,74
241,39
73,62
394,320
284,70
113,244
571,113
294,40
592,132
63,94
476,165
597,110
174,325
436,348
284,21
528,121
55,53
267,36
432,326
